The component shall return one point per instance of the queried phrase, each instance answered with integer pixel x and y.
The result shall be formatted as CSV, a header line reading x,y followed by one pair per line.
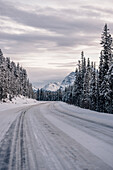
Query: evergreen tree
x,y
106,43
74,91
108,93
105,62
86,86
93,89
13,80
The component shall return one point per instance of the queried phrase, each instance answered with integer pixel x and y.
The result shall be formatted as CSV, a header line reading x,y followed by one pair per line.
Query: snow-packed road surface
x,y
55,136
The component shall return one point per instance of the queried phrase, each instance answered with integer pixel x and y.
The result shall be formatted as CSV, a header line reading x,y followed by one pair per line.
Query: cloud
x,y
56,23
71,30
42,75
29,42
42,31
64,65
98,10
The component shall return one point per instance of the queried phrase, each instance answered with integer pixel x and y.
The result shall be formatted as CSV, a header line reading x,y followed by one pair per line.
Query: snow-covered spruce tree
x,y
18,80
41,95
74,90
100,81
105,62
108,93
83,66
67,95
77,92
13,80
106,43
59,94
86,86
79,84
24,82
64,95
101,69
93,89
83,71
38,93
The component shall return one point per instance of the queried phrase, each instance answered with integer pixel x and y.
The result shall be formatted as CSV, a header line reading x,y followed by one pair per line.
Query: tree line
x,y
93,88
13,80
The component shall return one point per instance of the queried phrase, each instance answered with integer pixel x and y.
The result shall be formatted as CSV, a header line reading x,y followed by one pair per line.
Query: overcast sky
x,y
47,36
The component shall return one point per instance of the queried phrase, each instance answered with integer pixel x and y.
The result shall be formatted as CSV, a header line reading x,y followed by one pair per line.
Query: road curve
x,y
50,136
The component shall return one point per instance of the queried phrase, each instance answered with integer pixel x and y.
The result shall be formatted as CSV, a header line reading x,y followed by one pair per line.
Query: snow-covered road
x,y
55,136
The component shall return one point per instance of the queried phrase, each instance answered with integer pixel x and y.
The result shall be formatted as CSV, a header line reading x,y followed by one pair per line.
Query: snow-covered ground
x,y
54,136
16,102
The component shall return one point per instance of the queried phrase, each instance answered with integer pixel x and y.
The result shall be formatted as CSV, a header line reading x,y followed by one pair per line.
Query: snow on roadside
x,y
16,102
104,118
94,145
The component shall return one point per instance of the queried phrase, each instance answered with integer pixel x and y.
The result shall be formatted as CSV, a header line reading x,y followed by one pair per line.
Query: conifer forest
x,y
93,88
13,80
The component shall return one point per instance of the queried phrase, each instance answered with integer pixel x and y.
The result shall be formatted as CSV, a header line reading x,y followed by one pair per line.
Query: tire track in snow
x,y
65,112
33,142
12,150
97,147
61,149
105,133
5,148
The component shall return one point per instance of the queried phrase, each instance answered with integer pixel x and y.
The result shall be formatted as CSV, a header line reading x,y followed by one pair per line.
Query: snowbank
x,y
16,102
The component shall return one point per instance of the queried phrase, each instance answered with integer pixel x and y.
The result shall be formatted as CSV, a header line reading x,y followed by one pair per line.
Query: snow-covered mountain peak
x,y
68,80
52,86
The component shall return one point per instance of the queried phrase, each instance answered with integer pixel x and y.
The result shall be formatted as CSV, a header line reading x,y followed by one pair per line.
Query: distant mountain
x,y
52,86
68,80
34,89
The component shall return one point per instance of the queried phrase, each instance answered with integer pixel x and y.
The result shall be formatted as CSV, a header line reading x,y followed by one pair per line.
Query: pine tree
x,y
86,86
83,71
106,43
59,95
93,90
108,93
100,80
74,91
105,62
